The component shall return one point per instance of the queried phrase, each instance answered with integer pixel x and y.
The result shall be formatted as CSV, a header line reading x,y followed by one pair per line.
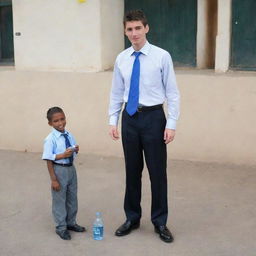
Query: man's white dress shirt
x,y
157,82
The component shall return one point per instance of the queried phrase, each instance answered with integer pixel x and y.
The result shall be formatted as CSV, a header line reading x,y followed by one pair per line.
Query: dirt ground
x,y
212,210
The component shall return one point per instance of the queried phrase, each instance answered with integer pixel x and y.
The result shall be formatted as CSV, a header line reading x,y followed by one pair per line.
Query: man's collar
x,y
145,49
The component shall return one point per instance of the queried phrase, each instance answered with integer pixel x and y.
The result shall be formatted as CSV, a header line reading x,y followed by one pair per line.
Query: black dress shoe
x,y
63,234
164,233
76,228
126,228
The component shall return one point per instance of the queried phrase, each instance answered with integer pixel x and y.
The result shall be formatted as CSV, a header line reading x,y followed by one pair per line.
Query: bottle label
x,y
98,233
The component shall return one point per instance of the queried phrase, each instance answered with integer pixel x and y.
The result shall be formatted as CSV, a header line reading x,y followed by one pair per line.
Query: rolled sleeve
x,y
48,151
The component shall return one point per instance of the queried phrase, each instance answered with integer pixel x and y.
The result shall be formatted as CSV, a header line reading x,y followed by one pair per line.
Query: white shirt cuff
x,y
171,124
113,120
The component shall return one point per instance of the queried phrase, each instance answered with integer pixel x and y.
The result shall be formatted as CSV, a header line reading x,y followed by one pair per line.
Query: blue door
x,y
243,44
6,33
173,26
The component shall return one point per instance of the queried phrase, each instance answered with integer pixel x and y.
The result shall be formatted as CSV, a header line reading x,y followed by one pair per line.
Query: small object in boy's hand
x,y
73,148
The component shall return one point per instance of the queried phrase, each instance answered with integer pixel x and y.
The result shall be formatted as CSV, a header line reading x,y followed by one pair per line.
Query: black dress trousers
x,y
144,133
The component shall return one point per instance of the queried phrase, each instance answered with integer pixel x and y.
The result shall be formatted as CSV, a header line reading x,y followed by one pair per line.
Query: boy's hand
x,y
77,148
55,185
67,153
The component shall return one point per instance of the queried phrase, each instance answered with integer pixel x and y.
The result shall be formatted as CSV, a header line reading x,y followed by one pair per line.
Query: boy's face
x,y
136,33
58,121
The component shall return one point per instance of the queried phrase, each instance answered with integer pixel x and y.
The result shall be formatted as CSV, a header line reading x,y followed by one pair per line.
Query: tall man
x,y
143,79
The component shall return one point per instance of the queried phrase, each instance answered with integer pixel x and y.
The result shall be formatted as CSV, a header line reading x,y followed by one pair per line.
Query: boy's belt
x,y
148,108
65,165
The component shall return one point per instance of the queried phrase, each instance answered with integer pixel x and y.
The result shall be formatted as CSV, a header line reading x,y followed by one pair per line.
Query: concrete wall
x,y
206,33
67,35
112,35
70,36
217,113
216,121
223,36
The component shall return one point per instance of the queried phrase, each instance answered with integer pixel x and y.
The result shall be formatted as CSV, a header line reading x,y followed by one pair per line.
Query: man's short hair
x,y
52,111
135,15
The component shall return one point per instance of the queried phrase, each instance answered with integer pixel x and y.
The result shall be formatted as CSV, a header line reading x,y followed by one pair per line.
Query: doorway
x,y
173,26
6,33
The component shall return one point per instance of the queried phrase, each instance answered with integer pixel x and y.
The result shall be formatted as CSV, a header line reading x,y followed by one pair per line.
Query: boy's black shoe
x,y
164,233
126,228
76,228
64,234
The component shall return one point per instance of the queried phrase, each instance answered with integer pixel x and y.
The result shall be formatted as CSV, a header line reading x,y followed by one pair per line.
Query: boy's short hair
x,y
52,111
135,15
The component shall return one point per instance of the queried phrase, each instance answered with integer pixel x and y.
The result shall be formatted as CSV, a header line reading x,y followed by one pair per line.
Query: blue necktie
x,y
133,98
68,145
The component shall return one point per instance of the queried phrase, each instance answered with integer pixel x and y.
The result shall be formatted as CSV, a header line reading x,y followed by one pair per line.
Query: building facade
x,y
75,44
86,35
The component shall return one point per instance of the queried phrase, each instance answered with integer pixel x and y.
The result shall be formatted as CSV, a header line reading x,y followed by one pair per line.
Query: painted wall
x,y
112,35
70,36
223,36
67,35
206,33
216,124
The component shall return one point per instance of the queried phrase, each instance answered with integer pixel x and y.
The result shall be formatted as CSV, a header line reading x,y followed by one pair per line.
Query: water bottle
x,y
98,227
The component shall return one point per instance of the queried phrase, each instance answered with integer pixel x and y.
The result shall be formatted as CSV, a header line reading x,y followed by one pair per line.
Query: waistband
x,y
148,108
64,165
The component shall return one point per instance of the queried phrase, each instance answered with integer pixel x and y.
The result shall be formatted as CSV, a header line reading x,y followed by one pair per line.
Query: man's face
x,y
58,121
136,33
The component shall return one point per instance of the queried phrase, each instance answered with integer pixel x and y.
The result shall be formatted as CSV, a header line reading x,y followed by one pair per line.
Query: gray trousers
x,y
64,202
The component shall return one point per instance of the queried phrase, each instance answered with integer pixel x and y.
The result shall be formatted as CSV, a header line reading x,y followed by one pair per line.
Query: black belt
x,y
65,165
148,108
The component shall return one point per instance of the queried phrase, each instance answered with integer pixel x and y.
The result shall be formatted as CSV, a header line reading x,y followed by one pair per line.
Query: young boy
x,y
60,150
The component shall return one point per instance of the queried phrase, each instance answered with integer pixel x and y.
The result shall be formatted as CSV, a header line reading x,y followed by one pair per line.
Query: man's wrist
x,y
113,120
171,124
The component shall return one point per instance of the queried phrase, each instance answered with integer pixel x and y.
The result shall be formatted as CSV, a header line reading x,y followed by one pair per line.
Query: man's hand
x,y
169,135
113,132
55,185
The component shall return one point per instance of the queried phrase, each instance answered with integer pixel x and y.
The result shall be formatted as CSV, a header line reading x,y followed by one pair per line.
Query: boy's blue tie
x,y
68,145
133,98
